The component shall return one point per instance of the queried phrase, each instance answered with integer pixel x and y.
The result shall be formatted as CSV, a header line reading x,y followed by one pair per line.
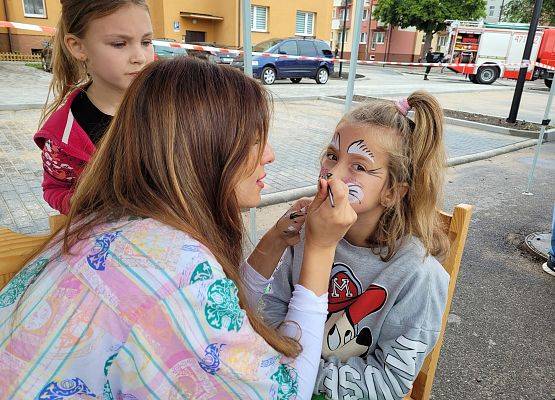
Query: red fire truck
x,y
495,50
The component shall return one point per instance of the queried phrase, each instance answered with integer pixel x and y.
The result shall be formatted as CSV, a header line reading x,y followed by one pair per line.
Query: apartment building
x,y
378,41
216,21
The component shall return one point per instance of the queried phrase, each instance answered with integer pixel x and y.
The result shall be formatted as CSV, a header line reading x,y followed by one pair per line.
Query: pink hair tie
x,y
403,106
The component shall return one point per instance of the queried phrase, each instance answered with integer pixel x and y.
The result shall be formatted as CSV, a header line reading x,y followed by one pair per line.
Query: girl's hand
x,y
326,225
289,225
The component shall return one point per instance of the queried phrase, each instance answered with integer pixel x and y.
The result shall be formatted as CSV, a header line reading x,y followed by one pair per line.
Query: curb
x,y
307,191
21,107
549,134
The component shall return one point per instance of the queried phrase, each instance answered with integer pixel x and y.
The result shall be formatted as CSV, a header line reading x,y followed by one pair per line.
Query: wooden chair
x,y
15,248
456,227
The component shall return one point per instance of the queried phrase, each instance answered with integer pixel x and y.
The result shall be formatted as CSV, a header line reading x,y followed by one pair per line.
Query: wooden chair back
x,y
456,227
15,248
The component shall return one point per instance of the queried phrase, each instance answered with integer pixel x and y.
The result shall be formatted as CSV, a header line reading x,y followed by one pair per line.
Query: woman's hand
x,y
325,227
287,228
284,233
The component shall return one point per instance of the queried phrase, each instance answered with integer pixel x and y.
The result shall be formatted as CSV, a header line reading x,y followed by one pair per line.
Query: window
x,y
339,37
323,49
377,38
363,37
442,41
365,15
491,11
342,14
259,19
306,48
34,8
304,24
289,47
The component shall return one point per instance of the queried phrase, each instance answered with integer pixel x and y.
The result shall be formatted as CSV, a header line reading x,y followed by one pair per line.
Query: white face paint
x,y
356,193
336,141
359,148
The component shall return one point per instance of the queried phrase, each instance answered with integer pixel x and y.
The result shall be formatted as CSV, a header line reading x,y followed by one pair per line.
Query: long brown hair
x,y
67,72
175,151
417,158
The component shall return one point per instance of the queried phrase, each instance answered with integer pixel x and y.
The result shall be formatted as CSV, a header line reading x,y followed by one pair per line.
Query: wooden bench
x,y
15,248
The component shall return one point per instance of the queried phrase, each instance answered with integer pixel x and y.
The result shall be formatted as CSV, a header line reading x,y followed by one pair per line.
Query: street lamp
x,y
345,5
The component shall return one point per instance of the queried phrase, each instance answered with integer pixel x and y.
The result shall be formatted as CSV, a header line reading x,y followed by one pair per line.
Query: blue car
x,y
268,69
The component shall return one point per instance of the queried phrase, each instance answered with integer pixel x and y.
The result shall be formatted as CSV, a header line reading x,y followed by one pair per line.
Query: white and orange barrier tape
x,y
469,66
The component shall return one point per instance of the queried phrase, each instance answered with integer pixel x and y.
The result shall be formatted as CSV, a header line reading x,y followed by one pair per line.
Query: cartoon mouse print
x,y
348,305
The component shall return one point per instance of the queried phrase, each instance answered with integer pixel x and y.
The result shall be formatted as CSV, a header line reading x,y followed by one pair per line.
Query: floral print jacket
x,y
138,310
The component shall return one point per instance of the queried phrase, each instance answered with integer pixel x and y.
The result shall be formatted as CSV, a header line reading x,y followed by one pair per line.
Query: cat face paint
x,y
359,147
356,194
336,141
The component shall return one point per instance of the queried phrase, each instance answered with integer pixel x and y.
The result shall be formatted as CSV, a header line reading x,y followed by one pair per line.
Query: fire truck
x,y
495,50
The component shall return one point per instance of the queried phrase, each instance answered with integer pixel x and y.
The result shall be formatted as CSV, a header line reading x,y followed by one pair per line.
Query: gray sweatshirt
x,y
383,318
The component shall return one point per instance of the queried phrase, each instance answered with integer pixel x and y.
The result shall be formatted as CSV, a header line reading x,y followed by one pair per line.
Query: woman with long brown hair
x,y
141,295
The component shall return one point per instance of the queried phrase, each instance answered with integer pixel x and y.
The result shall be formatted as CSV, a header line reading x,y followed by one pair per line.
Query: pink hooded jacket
x,y
66,149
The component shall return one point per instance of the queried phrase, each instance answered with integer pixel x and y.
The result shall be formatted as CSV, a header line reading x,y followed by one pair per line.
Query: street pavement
x,y
300,130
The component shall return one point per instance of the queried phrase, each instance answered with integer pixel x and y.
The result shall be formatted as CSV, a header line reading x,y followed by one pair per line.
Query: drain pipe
x,y
8,29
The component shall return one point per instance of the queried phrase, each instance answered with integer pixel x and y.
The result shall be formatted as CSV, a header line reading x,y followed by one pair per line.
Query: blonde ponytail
x,y
426,153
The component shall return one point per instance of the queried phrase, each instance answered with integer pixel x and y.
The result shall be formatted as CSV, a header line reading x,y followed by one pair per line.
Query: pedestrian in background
x,y
336,52
549,265
99,48
429,59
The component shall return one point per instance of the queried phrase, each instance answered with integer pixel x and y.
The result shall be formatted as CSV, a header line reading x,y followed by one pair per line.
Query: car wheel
x,y
548,82
487,75
322,75
268,75
472,78
296,80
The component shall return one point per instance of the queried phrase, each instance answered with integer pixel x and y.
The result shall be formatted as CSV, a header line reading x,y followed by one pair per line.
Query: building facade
x,y
215,21
35,12
220,21
494,9
377,41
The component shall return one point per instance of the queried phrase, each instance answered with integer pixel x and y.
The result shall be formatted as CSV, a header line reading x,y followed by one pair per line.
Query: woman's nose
x,y
268,156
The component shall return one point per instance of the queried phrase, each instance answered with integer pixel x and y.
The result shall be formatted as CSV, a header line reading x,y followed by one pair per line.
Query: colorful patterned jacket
x,y
137,311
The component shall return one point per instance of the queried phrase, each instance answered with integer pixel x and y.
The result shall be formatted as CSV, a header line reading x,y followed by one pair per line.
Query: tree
x,y
428,15
521,11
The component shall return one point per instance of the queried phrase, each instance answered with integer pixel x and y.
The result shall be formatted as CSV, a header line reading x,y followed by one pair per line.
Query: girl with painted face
x,y
141,296
99,48
387,290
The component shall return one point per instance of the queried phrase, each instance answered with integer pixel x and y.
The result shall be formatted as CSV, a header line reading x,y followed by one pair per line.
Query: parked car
x,y
216,57
270,68
168,52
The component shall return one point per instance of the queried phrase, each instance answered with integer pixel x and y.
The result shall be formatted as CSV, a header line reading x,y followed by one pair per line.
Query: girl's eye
x,y
118,45
359,168
331,156
147,43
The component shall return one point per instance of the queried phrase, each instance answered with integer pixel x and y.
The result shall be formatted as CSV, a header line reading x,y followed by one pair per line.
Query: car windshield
x,y
265,45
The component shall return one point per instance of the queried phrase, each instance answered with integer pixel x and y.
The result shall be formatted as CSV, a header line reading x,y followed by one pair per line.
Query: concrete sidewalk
x,y
301,130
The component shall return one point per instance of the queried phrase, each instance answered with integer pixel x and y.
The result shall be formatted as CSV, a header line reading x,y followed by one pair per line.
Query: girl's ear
x,y
393,194
76,47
